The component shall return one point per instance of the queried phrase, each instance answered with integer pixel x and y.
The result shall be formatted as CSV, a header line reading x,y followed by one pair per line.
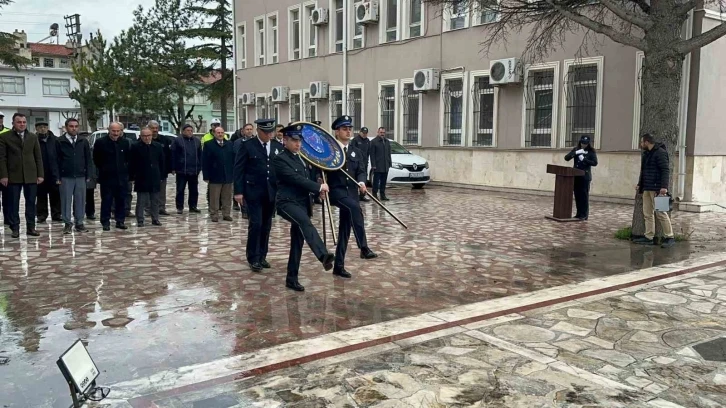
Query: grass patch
x,y
624,233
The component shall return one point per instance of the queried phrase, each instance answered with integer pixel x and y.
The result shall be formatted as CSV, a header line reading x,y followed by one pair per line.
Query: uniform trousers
x,y
258,229
582,196
301,230
351,218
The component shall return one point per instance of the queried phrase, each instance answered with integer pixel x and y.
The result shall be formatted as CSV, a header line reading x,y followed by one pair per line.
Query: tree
x,y
154,63
652,26
215,29
8,54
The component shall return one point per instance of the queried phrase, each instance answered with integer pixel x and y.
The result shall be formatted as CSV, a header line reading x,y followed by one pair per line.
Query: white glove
x,y
581,157
581,151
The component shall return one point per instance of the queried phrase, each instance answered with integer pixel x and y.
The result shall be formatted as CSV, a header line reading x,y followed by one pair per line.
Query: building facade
x,y
40,91
472,132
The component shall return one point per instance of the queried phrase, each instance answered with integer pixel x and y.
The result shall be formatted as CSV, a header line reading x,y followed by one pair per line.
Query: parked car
x,y
406,168
132,135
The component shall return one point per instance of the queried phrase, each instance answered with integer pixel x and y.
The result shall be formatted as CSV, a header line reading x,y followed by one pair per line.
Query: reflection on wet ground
x,y
158,298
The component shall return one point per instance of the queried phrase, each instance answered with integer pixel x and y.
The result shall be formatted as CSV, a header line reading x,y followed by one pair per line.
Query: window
x,y
294,33
456,16
390,20
357,37
64,63
273,40
453,120
241,116
261,108
49,62
540,104
355,106
56,87
36,61
411,110
294,107
310,32
338,31
199,99
12,85
336,104
638,103
259,41
387,109
582,93
414,18
242,46
486,12
217,105
483,100
310,107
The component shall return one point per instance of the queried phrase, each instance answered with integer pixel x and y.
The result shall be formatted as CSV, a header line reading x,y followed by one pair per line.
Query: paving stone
x,y
638,382
661,298
571,329
644,337
584,314
611,356
600,342
524,333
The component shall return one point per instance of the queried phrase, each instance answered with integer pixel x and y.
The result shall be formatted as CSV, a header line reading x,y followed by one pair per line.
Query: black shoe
x,y
163,212
156,222
669,242
256,267
296,286
32,232
15,234
327,261
140,224
81,228
384,198
41,220
121,226
366,253
265,264
194,210
180,211
341,272
643,241
107,227
67,229
90,217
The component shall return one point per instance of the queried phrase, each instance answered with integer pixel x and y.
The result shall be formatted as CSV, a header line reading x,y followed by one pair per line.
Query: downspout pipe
x,y
346,22
235,98
683,114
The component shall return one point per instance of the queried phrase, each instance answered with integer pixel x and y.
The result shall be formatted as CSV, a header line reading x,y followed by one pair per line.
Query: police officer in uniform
x,y
254,181
294,194
344,194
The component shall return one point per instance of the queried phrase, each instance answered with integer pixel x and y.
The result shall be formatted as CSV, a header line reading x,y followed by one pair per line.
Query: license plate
x,y
417,174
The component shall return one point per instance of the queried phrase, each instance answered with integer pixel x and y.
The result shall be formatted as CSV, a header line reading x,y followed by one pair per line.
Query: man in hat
x,y
344,194
48,189
362,143
210,135
254,181
294,190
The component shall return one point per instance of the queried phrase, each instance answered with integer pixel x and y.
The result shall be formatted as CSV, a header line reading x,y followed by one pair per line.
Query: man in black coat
x,y
653,181
74,158
218,172
254,181
381,161
146,168
111,157
165,142
344,194
294,203
362,143
48,189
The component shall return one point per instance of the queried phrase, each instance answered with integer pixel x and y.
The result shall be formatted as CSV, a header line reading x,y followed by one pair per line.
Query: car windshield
x,y
398,149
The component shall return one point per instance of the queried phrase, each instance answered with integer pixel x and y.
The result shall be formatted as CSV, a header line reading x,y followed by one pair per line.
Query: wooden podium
x,y
564,187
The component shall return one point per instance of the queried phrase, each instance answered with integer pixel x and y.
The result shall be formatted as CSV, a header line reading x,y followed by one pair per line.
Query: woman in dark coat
x,y
146,168
585,158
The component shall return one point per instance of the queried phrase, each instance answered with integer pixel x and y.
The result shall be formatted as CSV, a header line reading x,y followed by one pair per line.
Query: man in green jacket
x,y
21,170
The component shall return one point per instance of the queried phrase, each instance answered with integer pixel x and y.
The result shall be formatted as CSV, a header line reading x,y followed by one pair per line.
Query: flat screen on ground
x,y
78,366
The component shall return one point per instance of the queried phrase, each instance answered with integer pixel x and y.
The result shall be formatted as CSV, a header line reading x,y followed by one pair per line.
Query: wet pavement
x,y
154,299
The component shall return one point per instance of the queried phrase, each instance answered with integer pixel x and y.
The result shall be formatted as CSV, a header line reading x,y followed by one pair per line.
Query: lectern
x,y
564,186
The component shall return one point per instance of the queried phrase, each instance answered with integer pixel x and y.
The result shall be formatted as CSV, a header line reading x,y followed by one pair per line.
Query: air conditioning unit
x,y
366,12
247,98
319,16
505,71
280,94
426,79
318,90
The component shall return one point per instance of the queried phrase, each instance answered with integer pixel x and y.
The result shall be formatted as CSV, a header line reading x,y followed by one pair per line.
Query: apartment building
x,y
289,65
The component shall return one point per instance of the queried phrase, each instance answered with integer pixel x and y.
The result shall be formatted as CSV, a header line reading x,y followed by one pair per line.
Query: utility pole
x,y
73,31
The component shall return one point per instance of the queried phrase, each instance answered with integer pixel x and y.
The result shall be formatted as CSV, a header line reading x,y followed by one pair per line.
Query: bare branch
x,y
597,27
684,8
702,39
618,10
643,5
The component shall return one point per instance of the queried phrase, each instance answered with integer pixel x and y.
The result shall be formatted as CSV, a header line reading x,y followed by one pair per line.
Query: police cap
x,y
293,132
265,125
344,120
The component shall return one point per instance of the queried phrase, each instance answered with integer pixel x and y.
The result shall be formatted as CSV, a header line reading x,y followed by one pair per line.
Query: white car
x,y
406,168
129,134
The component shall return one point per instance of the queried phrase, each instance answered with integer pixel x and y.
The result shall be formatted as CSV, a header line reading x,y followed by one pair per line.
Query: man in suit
x,y
74,163
147,166
362,143
344,194
111,157
254,181
165,142
21,170
294,190
381,161
48,189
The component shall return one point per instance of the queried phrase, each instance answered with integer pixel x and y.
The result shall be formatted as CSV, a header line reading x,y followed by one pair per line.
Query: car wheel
x,y
418,186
